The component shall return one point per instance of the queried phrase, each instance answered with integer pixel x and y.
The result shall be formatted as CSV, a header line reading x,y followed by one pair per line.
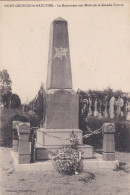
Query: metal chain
x,y
97,131
50,135
35,127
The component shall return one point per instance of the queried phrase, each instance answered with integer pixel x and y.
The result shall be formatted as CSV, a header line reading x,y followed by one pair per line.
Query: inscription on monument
x,y
60,52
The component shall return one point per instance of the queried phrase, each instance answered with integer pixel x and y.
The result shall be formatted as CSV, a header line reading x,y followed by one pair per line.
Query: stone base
x,y
90,164
47,152
15,145
24,159
108,156
62,110
33,167
98,163
86,151
15,148
54,137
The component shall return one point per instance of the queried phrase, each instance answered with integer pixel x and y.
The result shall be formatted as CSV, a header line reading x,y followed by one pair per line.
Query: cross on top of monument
x,y
59,68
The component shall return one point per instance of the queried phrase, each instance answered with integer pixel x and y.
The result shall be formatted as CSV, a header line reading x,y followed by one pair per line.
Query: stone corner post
x,y
108,142
24,145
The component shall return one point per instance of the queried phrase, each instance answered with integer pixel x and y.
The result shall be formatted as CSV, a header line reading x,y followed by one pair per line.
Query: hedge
x,y
8,115
122,133
6,126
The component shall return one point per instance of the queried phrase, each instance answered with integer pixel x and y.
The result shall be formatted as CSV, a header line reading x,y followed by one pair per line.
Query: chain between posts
x,y
95,132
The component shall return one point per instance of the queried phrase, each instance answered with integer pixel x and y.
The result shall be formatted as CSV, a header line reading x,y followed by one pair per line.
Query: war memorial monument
x,y
61,116
62,103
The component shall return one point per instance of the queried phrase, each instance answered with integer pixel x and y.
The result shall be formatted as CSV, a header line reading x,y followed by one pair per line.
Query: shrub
x,y
122,137
20,117
6,127
92,124
34,120
121,133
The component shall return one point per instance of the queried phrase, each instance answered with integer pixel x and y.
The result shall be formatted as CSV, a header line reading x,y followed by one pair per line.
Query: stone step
x,y
95,163
46,152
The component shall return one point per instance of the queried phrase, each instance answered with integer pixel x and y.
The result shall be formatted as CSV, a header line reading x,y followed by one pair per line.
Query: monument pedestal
x,y
51,140
54,137
62,109
47,152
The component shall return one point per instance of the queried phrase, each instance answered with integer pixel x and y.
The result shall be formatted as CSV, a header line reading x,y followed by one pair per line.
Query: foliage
x,y
11,100
28,117
121,133
38,104
67,161
122,139
20,117
74,140
8,115
34,120
15,101
5,83
89,176
121,167
6,99
90,125
100,94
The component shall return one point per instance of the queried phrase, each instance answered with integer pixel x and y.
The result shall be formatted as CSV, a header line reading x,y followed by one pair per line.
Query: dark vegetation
x,y
122,134
34,113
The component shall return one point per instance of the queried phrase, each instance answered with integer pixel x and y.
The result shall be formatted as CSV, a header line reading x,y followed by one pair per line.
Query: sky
x,y
99,46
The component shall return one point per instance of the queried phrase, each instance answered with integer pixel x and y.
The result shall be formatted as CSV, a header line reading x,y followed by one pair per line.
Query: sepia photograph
x,y
65,97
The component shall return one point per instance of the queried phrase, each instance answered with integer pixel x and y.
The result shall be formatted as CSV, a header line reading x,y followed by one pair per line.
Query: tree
x,y
5,88
5,83
6,99
38,103
15,101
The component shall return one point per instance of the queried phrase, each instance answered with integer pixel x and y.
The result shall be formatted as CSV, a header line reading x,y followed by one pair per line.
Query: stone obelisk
x,y
62,110
59,69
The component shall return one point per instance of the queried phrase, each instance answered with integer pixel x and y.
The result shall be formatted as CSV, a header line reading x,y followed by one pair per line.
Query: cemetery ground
x,y
97,182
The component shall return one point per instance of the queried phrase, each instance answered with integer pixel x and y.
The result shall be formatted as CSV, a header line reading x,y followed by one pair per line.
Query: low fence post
x,y
24,145
108,142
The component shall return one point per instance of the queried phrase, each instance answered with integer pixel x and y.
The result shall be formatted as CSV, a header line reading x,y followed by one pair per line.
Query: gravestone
x,y
62,103
111,109
95,109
